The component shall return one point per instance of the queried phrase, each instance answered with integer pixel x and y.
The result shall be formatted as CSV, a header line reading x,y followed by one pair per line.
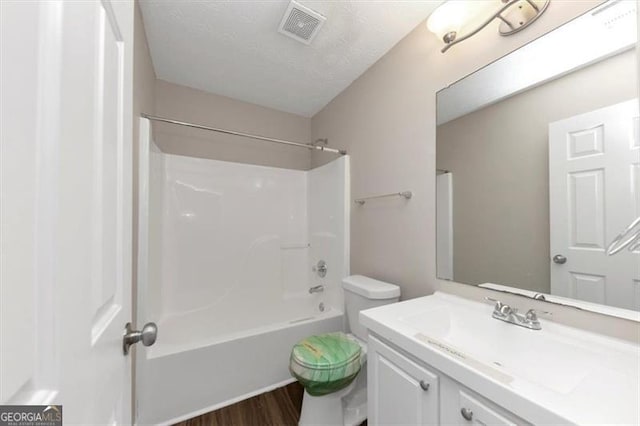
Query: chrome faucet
x,y
506,313
316,289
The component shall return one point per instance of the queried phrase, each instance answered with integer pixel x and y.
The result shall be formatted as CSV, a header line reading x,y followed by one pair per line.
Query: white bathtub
x,y
220,324
189,372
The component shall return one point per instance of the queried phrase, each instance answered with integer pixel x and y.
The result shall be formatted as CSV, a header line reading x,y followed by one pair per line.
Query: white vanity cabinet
x,y
477,370
402,391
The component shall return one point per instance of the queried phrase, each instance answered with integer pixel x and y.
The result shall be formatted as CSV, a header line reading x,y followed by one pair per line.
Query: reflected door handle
x,y
147,336
559,259
320,269
466,413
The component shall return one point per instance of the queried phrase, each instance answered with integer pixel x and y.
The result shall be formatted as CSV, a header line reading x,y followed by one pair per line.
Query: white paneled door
x,y
66,206
594,180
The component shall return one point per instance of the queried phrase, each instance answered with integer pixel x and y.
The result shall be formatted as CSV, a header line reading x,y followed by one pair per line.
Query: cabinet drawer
x,y
473,411
400,392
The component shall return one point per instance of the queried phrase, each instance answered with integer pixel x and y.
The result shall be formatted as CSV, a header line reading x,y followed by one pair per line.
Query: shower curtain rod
x,y
246,135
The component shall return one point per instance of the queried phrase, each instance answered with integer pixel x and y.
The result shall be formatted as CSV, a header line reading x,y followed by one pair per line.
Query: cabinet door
x,y
400,392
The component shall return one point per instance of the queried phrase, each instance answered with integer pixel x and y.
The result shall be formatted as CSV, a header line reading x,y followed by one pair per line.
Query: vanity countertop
x,y
556,375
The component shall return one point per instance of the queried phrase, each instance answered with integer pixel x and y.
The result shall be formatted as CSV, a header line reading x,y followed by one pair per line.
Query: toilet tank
x,y
362,293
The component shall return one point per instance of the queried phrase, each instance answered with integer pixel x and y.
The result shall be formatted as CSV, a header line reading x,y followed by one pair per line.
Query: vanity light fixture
x,y
447,20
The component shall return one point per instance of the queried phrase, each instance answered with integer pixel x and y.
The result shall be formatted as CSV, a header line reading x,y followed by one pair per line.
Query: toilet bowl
x,y
332,366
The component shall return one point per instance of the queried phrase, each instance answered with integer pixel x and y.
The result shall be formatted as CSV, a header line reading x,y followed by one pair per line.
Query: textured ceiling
x,y
233,48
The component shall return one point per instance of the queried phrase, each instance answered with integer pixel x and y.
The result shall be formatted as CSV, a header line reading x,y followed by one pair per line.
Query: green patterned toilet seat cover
x,y
325,363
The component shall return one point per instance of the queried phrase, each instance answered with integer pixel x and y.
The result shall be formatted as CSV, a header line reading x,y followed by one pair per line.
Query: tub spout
x,y
316,289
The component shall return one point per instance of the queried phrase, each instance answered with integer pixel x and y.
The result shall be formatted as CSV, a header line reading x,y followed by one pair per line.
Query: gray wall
x,y
499,159
191,105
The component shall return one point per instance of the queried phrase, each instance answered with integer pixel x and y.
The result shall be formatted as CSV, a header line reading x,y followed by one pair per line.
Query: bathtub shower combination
x,y
228,253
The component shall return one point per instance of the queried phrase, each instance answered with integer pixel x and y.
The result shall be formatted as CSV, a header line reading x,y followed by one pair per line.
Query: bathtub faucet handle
x,y
316,289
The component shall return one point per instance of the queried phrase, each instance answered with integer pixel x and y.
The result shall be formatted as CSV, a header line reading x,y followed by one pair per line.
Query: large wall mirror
x,y
538,167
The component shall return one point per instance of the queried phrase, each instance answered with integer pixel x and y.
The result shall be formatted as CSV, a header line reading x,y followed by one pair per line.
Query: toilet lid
x,y
326,352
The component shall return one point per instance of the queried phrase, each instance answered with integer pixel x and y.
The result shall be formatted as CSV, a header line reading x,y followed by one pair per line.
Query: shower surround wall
x,y
236,235
230,254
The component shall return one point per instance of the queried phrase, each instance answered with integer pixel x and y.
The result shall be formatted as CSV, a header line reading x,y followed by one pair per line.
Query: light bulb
x,y
447,18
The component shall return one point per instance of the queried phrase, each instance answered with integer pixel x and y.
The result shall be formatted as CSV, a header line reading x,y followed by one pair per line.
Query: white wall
x,y
386,121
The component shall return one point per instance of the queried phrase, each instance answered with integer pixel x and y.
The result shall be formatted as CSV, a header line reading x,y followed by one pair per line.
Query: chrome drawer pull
x,y
466,413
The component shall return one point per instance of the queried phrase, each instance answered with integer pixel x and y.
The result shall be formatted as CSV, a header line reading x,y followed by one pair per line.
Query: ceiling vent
x,y
301,23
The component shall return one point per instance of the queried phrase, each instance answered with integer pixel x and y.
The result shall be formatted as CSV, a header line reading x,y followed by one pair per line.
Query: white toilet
x,y
333,366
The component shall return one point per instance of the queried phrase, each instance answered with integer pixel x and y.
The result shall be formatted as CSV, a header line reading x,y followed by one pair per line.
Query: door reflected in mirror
x,y
538,166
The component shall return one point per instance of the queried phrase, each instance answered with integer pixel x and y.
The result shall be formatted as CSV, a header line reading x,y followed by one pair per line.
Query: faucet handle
x,y
506,310
501,309
532,314
498,303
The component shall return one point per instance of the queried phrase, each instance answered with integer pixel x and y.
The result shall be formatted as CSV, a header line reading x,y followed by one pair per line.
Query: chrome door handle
x,y
424,385
559,259
467,414
147,336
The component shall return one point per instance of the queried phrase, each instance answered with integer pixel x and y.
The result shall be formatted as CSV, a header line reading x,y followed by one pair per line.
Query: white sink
x,y
534,355
580,376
